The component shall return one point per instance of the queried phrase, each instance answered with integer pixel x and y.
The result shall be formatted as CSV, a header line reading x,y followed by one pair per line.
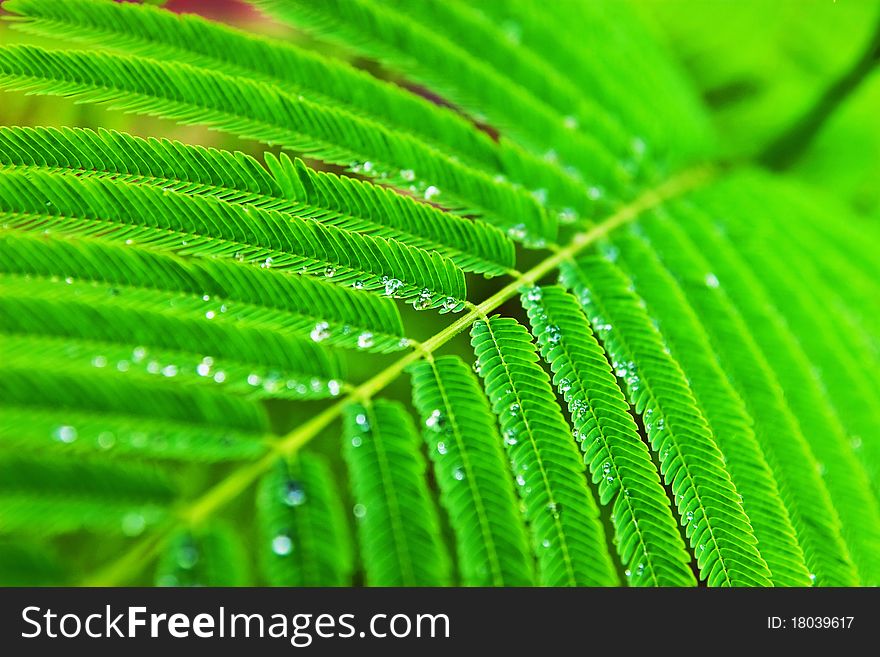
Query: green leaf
x,y
41,497
208,556
646,534
254,110
304,536
691,463
105,412
289,187
724,410
196,226
112,276
398,526
731,331
568,539
470,468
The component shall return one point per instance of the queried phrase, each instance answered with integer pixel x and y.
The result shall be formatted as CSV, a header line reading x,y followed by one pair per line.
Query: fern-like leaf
x,y
195,226
288,186
691,463
57,496
397,523
785,447
141,30
114,276
254,110
569,540
646,534
54,408
303,530
723,409
208,556
472,473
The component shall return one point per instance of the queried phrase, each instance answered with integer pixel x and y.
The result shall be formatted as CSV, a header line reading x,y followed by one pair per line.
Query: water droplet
x,y
533,293
358,285
356,441
361,420
431,192
169,371
392,285
514,409
330,272
334,387
449,304
219,376
123,366
441,448
359,510
206,297
266,264
65,433
365,340
435,420
133,524
520,480
294,495
106,440
812,577
711,280
594,193
423,300
408,175
638,146
517,232
570,122
204,368
210,314
856,442
540,195
567,216
458,473
99,361
367,167
69,280
187,556
320,332
282,545
138,354
545,543
509,437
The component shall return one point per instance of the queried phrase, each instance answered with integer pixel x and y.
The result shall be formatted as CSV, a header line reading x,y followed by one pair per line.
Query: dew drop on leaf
x,y
282,545
365,340
66,433
320,332
294,494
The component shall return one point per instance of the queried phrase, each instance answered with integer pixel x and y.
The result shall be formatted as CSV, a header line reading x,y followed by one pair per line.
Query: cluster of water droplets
x,y
627,371
392,285
639,571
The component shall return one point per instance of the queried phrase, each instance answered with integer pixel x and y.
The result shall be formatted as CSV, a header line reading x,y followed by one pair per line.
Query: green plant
x,y
681,384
